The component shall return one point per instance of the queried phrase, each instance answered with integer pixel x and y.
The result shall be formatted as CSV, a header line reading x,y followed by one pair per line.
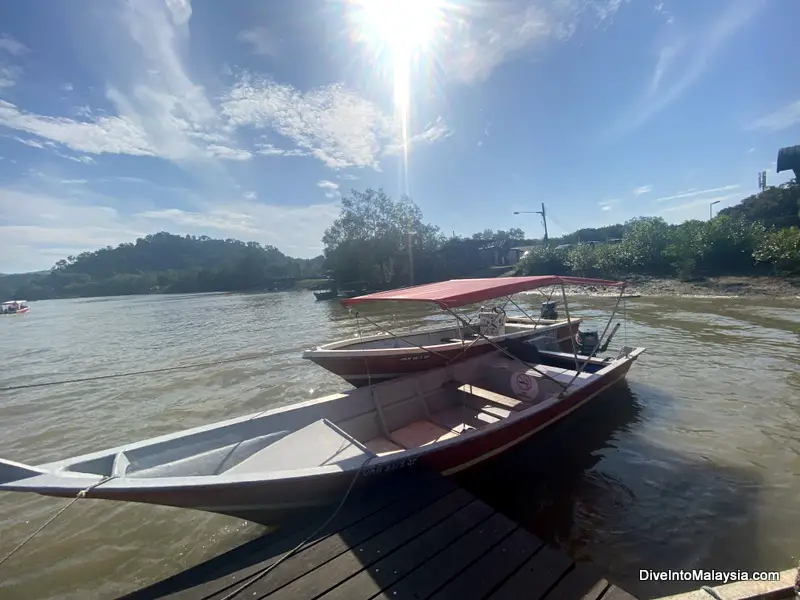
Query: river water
x,y
693,463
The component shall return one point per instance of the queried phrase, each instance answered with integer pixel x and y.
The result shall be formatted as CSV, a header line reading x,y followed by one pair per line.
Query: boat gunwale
x,y
56,469
336,349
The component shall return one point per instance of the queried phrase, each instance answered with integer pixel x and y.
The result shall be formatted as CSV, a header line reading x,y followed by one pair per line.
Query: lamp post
x,y
710,208
542,212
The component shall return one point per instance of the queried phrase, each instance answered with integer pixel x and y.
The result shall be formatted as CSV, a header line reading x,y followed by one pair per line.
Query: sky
x,y
249,119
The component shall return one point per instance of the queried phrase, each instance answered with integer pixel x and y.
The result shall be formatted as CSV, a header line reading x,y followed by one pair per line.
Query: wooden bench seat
x,y
500,400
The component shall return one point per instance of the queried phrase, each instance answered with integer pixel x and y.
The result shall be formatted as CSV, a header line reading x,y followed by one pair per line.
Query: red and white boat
x,y
372,359
14,307
274,464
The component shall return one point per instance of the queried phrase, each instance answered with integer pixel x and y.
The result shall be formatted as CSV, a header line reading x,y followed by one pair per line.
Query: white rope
x,y
264,572
80,495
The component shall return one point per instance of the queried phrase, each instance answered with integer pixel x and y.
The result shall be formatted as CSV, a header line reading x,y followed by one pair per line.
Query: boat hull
x,y
278,501
363,368
20,311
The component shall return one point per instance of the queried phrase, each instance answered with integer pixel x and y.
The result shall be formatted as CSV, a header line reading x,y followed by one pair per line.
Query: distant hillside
x,y
777,206
162,262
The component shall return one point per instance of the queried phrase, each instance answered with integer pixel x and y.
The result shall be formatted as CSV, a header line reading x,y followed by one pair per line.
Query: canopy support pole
x,y
512,357
596,348
569,325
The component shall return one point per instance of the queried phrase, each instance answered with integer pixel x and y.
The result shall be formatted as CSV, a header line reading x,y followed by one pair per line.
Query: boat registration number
x,y
389,467
416,357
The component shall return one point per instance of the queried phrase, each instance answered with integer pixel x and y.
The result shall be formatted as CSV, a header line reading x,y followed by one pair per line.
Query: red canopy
x,y
460,292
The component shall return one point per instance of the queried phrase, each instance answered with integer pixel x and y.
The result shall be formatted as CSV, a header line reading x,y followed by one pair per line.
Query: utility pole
x,y
410,260
711,208
542,212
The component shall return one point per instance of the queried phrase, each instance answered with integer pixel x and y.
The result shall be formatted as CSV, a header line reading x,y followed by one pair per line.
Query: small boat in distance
x,y
14,307
326,294
273,465
382,357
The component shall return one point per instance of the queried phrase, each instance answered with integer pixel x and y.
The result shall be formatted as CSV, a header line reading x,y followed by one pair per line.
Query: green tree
x,y
369,240
781,249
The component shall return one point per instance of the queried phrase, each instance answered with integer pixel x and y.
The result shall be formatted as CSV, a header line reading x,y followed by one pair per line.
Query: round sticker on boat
x,y
524,385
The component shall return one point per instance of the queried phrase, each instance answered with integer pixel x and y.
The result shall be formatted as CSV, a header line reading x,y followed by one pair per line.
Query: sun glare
x,y
405,26
402,31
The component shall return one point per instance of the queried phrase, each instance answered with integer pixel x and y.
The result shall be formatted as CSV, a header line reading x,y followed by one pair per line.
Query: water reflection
x,y
597,487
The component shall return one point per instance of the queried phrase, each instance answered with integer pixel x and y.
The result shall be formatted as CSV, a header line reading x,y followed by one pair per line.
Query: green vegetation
x,y
369,243
760,235
164,263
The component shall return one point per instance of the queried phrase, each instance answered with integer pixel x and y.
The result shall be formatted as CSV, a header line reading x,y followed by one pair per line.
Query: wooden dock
x,y
417,535
746,590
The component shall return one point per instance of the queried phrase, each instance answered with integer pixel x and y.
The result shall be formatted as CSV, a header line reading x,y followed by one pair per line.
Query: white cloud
x,y
332,123
250,195
9,76
219,220
642,189
692,209
331,188
261,39
783,118
684,59
181,11
661,9
751,150
693,192
228,153
43,221
12,46
270,150
486,35
114,135
67,87
433,133
607,205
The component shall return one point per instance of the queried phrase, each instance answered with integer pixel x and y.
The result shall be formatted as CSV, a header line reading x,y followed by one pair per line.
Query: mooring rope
x,y
128,373
268,569
80,495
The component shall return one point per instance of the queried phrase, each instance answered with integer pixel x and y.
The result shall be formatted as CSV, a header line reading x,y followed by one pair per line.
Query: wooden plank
x,y
492,568
536,576
360,556
783,589
339,544
494,397
397,565
364,514
581,583
615,593
439,570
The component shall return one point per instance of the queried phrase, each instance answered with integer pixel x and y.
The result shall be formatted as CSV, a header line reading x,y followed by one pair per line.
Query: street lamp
x,y
542,212
710,208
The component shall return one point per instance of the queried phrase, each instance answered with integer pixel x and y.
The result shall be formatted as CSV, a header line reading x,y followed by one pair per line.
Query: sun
x,y
404,27
400,33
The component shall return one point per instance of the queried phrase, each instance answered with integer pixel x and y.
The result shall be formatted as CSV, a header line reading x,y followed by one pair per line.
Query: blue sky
x,y
247,119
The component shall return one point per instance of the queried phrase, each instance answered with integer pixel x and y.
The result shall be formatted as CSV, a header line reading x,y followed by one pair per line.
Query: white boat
x,y
270,465
14,307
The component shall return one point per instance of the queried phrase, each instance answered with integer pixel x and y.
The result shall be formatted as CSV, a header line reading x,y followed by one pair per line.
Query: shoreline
x,y
706,287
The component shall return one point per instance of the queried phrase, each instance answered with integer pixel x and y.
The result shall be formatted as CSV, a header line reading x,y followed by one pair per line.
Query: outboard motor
x,y
549,311
586,341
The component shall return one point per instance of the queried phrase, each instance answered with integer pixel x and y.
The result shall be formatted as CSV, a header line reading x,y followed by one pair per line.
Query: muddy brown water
x,y
693,463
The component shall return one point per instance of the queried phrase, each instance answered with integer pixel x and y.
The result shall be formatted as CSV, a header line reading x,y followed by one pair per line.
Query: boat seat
x,y
421,433
382,446
460,419
315,445
476,394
